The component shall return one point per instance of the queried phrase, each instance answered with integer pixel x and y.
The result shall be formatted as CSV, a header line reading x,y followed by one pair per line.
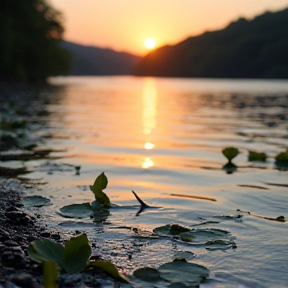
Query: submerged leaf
x,y
256,156
43,250
79,211
176,229
147,274
230,153
170,229
36,201
99,185
77,251
110,269
183,271
220,244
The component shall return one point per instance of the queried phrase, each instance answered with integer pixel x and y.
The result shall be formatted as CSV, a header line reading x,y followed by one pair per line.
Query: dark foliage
x,y
30,32
244,49
89,60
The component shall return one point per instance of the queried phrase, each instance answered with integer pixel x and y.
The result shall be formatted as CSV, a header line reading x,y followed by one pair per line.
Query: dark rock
x,y
25,280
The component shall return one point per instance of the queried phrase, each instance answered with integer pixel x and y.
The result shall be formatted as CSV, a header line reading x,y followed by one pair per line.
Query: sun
x,y
150,43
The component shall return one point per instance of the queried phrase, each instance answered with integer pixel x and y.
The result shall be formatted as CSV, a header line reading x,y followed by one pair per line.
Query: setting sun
x,y
150,43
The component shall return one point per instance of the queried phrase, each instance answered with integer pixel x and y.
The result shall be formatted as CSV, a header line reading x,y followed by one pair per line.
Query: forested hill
x,y
89,60
255,48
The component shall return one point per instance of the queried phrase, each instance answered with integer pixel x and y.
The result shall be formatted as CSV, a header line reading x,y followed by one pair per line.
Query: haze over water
x,y
160,136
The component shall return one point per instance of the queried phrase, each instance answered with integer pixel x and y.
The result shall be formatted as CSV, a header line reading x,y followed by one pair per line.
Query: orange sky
x,y
123,25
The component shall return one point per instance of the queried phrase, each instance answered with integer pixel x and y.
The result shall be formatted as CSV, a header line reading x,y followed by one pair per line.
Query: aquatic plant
x,y
256,156
71,258
230,153
282,157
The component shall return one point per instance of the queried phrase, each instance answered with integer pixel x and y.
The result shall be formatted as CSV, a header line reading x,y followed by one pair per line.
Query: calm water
x,y
164,136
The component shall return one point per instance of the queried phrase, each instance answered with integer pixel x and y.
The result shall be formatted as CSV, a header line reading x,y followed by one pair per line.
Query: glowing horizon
x,y
124,25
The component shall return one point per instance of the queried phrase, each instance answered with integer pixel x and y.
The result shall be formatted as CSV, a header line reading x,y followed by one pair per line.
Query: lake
x,y
162,138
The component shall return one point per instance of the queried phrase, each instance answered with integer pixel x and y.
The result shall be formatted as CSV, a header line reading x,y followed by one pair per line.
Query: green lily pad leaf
x,y
36,201
77,251
203,235
184,254
220,244
183,271
78,211
230,153
99,185
147,274
282,157
256,156
176,229
50,273
43,250
111,269
170,229
177,285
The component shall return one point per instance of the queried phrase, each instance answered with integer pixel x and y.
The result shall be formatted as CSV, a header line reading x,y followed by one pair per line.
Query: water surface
x,y
160,136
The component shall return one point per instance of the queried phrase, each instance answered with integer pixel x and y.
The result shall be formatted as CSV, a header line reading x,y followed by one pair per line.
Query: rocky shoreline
x,y
22,132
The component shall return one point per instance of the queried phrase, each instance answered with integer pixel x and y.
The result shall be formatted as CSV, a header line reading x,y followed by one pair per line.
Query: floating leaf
x,y
147,274
203,235
110,269
256,156
220,244
77,251
176,229
183,271
184,254
36,201
282,157
50,273
43,250
79,211
230,153
99,185
170,229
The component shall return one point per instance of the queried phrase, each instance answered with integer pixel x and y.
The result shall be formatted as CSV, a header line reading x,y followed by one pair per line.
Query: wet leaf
x,y
43,250
203,235
282,157
111,269
184,254
183,271
170,229
36,201
256,156
99,185
220,244
147,274
50,273
77,251
230,153
79,211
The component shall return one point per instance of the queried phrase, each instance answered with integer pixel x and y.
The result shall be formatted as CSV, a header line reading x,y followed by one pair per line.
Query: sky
x,y
123,25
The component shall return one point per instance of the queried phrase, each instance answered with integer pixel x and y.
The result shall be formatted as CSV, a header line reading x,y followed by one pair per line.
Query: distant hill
x,y
255,48
89,60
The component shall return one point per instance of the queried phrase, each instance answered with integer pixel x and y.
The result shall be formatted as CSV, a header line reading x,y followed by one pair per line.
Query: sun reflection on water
x,y
148,163
149,106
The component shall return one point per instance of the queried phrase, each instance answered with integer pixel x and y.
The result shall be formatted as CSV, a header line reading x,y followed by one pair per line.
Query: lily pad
x,y
36,201
78,211
203,235
183,271
256,156
220,244
230,153
184,254
170,229
147,274
110,269
282,157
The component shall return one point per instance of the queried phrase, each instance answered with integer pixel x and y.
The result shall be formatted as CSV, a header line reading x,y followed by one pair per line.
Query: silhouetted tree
x,y
30,32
